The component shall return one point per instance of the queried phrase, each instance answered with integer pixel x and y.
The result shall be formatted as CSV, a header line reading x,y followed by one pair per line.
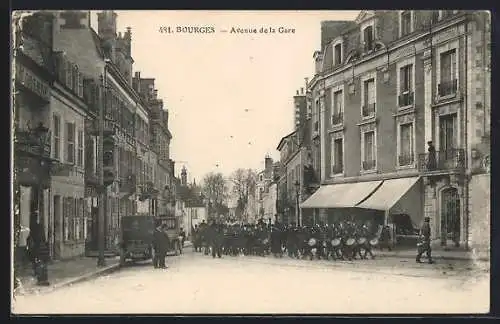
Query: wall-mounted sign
x,y
28,79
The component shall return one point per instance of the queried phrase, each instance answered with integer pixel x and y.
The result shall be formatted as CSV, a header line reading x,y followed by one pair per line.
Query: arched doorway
x,y
450,216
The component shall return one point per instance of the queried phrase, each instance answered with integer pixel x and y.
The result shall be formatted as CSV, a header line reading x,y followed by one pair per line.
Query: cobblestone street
x,y
199,284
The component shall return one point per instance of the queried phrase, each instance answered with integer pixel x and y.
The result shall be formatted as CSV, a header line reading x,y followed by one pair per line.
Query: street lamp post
x,y
297,210
101,261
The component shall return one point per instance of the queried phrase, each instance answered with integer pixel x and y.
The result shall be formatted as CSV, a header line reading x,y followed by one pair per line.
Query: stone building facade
x,y
93,70
386,85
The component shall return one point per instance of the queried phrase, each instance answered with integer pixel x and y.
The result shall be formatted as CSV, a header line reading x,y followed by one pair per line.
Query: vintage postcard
x,y
251,162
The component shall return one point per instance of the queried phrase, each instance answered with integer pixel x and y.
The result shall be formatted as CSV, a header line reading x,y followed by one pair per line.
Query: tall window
x,y
369,98
368,38
448,82
70,142
337,156
337,50
447,134
406,85
80,148
406,156
337,110
369,150
315,116
57,136
406,23
69,214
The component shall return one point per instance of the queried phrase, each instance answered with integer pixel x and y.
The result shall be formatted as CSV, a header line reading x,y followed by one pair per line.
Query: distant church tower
x,y
184,176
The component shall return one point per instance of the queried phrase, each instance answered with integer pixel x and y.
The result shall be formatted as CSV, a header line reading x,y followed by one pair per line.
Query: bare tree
x,y
216,192
244,181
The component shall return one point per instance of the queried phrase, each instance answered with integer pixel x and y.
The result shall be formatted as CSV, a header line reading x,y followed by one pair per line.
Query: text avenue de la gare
x,y
232,30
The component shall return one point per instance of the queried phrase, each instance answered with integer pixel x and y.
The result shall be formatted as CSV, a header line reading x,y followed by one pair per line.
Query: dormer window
x,y
337,54
405,23
443,14
435,16
368,38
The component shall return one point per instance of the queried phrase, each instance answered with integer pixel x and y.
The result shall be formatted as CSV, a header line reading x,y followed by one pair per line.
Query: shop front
x,y
396,203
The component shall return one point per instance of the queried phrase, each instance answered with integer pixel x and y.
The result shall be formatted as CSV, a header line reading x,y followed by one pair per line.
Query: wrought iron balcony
x,y
128,184
368,110
338,118
405,99
447,88
27,143
406,159
369,165
448,160
336,169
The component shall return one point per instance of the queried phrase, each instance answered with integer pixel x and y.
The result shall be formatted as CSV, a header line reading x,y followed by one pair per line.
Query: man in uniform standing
x,y
160,243
425,244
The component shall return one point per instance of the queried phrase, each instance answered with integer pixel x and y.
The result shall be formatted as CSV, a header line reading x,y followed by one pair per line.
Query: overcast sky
x,y
229,95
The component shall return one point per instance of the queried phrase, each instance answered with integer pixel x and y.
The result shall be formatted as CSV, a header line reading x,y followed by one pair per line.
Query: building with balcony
x,y
294,175
101,63
159,139
63,108
32,127
385,85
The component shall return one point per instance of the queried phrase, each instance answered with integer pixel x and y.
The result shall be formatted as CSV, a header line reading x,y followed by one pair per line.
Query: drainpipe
x,y
466,146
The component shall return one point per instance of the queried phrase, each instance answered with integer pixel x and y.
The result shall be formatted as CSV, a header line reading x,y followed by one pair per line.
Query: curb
x,y
85,277
100,272
437,257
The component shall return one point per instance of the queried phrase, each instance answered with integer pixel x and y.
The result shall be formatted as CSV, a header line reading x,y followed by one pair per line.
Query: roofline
x,y
283,139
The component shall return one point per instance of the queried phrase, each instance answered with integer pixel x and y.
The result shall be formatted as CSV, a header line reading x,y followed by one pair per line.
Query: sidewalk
x,y
437,253
65,273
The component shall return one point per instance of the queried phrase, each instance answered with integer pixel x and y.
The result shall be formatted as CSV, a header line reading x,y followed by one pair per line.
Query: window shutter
x,y
453,63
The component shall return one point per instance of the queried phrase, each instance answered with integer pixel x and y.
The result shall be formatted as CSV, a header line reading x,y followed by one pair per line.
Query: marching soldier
x,y
276,240
425,244
216,238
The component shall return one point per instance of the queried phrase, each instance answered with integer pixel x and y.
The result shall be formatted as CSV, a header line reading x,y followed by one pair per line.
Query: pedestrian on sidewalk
x,y
39,253
425,244
182,235
160,245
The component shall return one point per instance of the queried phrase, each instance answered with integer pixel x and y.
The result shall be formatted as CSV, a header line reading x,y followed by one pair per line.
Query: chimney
x,y
128,33
268,165
297,93
138,75
106,24
301,91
